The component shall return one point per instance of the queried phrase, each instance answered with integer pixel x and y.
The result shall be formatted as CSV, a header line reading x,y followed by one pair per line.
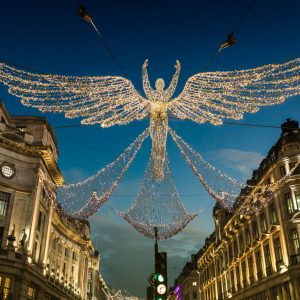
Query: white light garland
x,y
88,196
110,100
158,205
224,189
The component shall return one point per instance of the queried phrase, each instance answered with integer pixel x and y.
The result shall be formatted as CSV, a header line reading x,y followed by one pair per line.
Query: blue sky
x,y
48,36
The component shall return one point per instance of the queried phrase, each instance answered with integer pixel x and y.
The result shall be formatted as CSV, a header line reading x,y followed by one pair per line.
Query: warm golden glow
x,y
110,100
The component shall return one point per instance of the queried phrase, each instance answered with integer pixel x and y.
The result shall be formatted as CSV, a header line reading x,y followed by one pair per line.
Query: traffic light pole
x,y
151,290
158,280
156,245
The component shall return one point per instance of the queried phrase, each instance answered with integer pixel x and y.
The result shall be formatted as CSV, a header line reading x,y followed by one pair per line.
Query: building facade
x,y
44,254
256,256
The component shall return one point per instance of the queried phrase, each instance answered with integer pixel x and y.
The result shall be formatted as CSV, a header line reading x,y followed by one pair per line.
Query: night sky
x,y
48,36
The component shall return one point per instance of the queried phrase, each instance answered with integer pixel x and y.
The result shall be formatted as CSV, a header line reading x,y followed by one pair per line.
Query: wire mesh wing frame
x,y
224,189
99,187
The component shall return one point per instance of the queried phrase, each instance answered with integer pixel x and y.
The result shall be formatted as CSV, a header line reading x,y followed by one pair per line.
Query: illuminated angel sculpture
x,y
111,100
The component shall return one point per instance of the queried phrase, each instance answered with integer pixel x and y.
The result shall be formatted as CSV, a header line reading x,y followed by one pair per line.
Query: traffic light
x,y
160,287
160,277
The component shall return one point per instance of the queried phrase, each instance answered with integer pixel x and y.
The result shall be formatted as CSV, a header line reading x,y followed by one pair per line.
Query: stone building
x,y
255,256
44,254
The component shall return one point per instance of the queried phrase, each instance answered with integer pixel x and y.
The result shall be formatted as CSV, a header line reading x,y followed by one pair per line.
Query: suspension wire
x,y
243,17
224,122
109,50
83,13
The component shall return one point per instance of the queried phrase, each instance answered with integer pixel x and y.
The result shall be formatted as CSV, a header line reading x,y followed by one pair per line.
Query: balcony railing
x,y
295,259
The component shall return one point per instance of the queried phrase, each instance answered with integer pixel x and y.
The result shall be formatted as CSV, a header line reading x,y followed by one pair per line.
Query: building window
x,y
4,202
268,259
1,237
74,256
278,252
295,241
258,265
286,290
297,170
244,273
232,280
40,222
89,275
274,293
225,257
89,289
297,196
282,171
248,237
65,268
30,293
289,203
238,278
254,229
263,223
230,251
6,288
235,247
34,251
273,214
250,267
242,242
67,252
194,295
194,283
54,244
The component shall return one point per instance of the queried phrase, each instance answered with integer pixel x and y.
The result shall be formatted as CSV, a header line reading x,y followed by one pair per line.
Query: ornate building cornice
x,y
43,152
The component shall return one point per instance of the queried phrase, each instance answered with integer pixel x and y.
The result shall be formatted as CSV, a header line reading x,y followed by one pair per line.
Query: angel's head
x,y
159,84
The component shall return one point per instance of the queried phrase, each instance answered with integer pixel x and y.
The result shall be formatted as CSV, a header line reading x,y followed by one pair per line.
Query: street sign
x,y
151,279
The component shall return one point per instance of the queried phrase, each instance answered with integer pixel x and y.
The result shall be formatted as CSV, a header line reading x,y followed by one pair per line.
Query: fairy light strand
x,y
226,190
110,100
158,205
83,199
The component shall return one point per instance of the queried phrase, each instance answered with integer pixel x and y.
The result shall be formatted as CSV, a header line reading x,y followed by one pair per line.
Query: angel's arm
x,y
171,89
146,84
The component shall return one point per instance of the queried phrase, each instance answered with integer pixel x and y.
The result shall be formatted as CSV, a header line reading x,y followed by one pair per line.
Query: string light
x,y
226,190
158,205
98,188
110,100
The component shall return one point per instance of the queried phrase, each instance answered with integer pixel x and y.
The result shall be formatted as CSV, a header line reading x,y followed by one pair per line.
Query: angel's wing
x,y
214,96
98,99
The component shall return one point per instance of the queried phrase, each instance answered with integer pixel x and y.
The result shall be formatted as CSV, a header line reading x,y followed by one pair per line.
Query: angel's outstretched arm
x,y
146,84
172,87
